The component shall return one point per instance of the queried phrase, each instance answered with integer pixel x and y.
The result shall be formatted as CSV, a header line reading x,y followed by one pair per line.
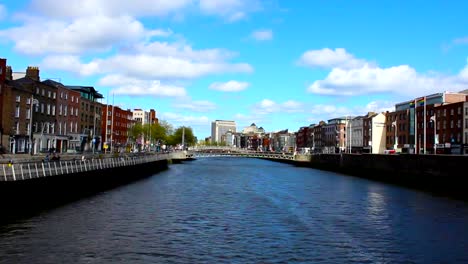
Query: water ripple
x,y
245,211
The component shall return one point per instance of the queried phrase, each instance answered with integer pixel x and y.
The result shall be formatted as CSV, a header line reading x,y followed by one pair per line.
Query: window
x,y
48,109
466,110
28,113
42,108
53,110
18,98
445,112
16,127
37,90
71,126
28,128
49,94
66,96
65,111
17,112
60,109
61,95
73,98
77,100
451,111
76,111
451,123
54,95
445,124
459,110
43,92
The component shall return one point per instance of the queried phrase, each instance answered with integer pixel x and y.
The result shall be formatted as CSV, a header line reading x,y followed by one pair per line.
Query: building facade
x,y
219,128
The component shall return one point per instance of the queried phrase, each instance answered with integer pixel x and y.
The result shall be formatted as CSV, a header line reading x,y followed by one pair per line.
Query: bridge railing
x,y
250,154
25,171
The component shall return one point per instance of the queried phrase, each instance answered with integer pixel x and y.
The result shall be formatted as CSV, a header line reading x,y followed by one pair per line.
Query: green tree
x,y
176,138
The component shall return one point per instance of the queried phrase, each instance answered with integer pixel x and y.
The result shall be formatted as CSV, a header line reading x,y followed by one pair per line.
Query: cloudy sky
x,y
281,64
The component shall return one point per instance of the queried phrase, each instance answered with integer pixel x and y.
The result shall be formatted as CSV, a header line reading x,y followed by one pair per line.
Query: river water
x,y
238,210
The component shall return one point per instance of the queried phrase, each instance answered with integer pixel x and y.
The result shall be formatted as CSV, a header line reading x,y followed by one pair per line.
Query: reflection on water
x,y
229,210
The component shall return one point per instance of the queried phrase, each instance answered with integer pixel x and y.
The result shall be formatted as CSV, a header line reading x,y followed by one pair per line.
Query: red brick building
x,y
116,123
450,128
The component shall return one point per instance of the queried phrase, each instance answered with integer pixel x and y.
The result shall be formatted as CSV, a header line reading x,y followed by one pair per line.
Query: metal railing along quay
x,y
32,170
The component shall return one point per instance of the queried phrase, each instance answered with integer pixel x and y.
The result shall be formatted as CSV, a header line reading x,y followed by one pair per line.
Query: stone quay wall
x,y
440,174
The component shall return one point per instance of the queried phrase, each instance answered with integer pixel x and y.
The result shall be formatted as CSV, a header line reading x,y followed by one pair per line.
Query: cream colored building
x,y
378,134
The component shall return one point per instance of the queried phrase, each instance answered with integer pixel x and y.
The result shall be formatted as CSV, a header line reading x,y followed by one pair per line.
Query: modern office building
x,y
219,128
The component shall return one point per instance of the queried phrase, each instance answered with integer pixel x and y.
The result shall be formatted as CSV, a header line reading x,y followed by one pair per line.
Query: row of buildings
x,y
39,116
436,123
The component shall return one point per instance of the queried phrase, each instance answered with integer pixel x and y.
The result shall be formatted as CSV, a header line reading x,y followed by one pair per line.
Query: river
x,y
239,210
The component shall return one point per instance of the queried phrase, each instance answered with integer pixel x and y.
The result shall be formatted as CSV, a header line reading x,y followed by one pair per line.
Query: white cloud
x,y
399,79
262,35
267,106
3,12
81,8
181,50
350,76
95,34
327,58
230,86
185,120
231,10
145,66
328,111
136,87
196,106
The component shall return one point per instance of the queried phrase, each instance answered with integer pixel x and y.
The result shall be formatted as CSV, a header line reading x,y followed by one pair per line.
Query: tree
x,y
176,138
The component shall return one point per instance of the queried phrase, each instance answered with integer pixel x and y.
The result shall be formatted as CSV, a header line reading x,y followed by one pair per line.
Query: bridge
x,y
208,151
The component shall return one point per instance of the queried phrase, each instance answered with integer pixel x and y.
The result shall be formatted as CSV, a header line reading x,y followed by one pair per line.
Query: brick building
x,y
115,125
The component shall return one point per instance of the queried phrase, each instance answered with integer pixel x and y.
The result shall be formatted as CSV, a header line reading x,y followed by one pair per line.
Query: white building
x,y
378,133
354,134
219,128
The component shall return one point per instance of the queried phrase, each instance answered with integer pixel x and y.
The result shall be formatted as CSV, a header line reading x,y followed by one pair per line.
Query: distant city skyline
x,y
278,64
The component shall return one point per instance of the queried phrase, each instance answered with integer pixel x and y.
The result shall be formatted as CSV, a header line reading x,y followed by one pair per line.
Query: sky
x,y
277,63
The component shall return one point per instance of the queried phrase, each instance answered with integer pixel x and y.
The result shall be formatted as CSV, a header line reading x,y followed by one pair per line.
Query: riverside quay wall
x,y
26,188
439,174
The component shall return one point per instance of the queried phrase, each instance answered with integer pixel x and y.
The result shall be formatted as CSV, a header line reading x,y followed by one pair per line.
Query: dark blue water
x,y
228,210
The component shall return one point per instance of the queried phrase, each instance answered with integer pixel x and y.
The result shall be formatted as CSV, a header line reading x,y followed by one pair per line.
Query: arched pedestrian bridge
x,y
209,152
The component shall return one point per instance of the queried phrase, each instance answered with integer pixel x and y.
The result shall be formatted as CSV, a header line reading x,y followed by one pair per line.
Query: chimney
x,y
2,70
33,73
8,73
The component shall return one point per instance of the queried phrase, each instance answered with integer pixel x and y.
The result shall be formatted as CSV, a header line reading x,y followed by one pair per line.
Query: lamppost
x,y
94,130
434,119
313,142
395,139
31,145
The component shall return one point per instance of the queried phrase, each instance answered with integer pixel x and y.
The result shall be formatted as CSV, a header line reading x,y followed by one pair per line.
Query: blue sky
x,y
279,64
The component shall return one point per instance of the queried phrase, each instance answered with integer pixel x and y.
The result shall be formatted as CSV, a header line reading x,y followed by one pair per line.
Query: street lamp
x,y
395,139
33,102
434,119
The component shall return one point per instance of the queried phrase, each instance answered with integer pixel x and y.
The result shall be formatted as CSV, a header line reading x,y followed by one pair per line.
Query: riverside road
x,y
240,210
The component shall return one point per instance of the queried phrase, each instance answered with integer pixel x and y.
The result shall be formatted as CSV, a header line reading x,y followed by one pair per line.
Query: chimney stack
x,y
33,73
9,73
2,70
